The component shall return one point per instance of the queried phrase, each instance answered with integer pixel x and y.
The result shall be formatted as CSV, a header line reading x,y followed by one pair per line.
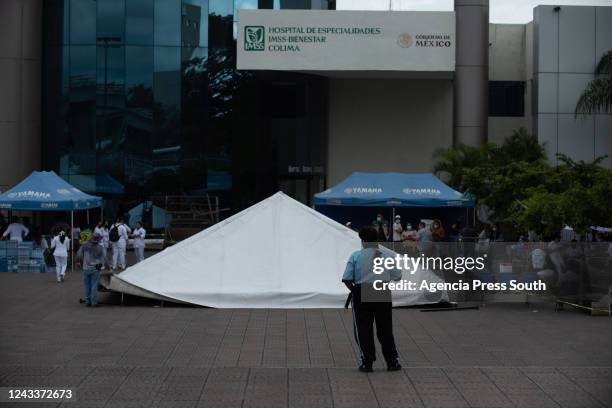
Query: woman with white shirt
x,y
139,235
102,230
60,246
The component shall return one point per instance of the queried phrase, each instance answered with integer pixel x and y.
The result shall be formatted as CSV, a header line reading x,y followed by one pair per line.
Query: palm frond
x,y
597,97
605,64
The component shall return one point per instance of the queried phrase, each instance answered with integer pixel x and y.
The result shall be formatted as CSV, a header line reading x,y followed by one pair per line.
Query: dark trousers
x,y
364,316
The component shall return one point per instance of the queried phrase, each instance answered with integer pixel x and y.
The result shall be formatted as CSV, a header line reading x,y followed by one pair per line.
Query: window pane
x,y
83,22
82,131
167,95
221,31
110,106
194,24
139,22
111,19
167,22
56,25
139,114
506,98
295,4
194,118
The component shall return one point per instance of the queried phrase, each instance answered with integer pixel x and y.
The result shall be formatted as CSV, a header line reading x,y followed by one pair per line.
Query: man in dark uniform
x,y
370,305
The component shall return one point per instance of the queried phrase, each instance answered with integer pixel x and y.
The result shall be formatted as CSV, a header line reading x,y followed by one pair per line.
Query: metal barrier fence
x,y
580,271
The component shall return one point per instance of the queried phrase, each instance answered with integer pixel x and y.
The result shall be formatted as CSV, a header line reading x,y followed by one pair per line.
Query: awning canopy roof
x,y
46,191
392,190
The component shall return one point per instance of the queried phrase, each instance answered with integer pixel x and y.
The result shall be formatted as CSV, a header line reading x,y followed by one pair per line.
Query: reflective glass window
x,y
167,22
110,104
194,23
139,111
82,112
139,22
83,22
111,19
57,23
220,30
295,4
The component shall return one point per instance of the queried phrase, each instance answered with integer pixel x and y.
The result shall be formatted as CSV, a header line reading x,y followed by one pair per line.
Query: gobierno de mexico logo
x,y
254,38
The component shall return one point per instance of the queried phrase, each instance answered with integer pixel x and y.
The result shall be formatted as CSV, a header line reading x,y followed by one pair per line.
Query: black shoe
x,y
394,366
365,368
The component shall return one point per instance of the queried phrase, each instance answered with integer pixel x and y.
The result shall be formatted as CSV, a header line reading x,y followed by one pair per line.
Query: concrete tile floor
x,y
144,356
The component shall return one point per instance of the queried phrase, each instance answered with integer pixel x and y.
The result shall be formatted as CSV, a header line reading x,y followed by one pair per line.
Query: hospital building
x,y
133,100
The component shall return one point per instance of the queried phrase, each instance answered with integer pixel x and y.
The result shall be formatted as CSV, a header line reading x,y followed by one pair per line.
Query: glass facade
x,y
141,100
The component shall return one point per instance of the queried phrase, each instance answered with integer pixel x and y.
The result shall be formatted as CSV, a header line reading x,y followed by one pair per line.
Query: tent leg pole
x,y
88,217
72,241
392,228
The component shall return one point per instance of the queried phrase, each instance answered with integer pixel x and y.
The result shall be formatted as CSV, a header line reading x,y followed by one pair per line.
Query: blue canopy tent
x,y
46,191
390,190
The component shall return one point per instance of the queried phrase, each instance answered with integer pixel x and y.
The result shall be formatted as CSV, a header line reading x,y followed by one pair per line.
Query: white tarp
x,y
278,253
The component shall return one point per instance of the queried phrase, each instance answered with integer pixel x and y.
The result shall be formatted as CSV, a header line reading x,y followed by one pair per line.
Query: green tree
x,y
577,195
454,161
597,97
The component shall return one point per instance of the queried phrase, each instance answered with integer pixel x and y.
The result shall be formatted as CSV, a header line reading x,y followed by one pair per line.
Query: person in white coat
x,y
118,237
60,245
16,231
139,235
102,230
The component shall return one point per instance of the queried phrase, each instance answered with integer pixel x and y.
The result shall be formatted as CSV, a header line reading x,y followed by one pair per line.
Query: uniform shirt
x,y
103,232
139,237
397,231
60,249
16,232
123,231
359,267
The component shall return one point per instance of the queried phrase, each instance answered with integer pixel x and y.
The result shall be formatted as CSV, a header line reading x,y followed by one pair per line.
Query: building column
x,y
471,72
20,82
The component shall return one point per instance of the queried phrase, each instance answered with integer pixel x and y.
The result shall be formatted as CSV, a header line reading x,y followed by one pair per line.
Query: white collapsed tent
x,y
278,253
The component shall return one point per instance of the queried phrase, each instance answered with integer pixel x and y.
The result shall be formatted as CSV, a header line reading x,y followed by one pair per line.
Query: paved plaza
x,y
143,355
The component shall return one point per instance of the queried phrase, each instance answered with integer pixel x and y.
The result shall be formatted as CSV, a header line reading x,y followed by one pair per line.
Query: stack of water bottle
x,y
21,257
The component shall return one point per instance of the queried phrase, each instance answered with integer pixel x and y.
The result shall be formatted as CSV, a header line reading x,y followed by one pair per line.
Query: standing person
x,y
424,239
397,229
455,232
102,230
91,254
60,245
139,235
370,305
438,235
382,228
555,252
16,231
118,237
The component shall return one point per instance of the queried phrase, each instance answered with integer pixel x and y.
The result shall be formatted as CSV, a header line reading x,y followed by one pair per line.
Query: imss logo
x,y
254,38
